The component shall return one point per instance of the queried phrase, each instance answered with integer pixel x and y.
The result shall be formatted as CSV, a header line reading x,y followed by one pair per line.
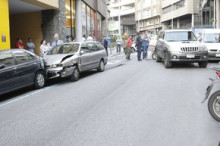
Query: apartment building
x,y
41,19
148,16
122,17
188,13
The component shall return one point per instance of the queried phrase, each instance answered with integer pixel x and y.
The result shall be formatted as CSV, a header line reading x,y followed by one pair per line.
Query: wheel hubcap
x,y
216,107
102,66
40,80
76,73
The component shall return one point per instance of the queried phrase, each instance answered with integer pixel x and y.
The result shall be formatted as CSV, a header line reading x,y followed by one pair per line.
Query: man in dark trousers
x,y
138,45
105,44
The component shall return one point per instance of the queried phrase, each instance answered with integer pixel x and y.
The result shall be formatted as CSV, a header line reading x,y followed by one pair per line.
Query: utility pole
x,y
119,19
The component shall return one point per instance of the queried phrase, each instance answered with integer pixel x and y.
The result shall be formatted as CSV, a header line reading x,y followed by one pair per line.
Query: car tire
x,y
101,66
203,64
158,59
212,101
153,55
39,80
167,62
75,75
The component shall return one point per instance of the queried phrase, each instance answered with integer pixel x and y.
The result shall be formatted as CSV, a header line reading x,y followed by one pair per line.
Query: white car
x,y
211,38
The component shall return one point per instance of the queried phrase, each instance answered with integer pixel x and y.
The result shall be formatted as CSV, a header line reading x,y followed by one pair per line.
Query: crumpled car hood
x,y
55,59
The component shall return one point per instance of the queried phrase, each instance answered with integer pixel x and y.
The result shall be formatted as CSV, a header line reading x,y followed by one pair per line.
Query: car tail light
x,y
218,74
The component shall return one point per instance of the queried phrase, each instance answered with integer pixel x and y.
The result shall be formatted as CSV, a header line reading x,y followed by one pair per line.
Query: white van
x,y
211,38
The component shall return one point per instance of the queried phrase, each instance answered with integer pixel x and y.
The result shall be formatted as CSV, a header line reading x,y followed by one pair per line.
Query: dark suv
x,y
20,68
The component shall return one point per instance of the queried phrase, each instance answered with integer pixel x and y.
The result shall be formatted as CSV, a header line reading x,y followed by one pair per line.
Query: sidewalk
x,y
112,52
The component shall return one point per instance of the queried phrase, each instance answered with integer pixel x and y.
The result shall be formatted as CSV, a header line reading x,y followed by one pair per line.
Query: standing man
x,y
30,45
119,41
105,44
128,48
56,40
145,43
138,45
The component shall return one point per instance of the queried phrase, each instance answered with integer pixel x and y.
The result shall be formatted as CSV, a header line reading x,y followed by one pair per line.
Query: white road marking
x,y
26,95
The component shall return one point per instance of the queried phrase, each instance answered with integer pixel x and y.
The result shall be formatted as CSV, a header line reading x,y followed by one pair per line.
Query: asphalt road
x,y
130,104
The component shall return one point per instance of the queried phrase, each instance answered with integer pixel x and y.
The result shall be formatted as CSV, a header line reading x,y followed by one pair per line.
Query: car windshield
x,y
212,38
180,36
64,49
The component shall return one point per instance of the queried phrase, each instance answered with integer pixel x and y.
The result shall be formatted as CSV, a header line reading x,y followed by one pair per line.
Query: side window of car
x,y
30,56
92,47
99,46
21,57
85,48
6,59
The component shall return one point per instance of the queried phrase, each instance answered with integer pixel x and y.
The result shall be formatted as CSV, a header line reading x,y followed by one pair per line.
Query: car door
x,y
7,72
85,61
26,67
95,55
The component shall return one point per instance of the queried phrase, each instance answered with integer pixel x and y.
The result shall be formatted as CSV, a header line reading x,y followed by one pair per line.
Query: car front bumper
x,y
59,72
188,57
215,56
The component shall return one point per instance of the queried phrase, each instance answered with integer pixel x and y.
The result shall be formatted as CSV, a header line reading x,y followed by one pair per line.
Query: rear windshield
x,y
180,36
212,38
64,49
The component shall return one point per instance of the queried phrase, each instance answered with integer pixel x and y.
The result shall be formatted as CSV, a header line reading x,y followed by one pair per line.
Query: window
x,y
6,59
92,47
64,49
180,36
23,57
84,47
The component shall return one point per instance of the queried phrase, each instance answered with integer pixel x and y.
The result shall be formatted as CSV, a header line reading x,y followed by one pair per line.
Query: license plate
x,y
217,55
190,56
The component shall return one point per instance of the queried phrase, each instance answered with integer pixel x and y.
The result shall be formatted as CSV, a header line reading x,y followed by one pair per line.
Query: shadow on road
x,y
49,83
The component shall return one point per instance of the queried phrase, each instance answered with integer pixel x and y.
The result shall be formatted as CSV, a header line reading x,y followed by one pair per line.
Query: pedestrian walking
x,y
19,44
138,45
30,45
128,48
105,44
145,42
118,42
56,41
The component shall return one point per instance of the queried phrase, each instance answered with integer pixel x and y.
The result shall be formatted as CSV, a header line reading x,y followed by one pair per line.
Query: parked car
x,y
69,60
211,38
20,68
180,46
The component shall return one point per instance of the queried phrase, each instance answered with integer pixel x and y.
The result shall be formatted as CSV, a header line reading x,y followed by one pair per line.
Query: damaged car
x,y
69,60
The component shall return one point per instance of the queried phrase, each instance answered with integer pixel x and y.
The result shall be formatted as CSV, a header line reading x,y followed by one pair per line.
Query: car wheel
x,y
39,80
203,64
158,59
75,75
153,55
167,62
214,105
101,66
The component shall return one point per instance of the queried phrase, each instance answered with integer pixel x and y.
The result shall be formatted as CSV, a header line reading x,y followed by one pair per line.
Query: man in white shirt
x,y
56,40
119,41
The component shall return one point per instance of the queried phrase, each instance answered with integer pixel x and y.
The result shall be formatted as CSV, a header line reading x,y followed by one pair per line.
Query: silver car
x,y
180,46
68,60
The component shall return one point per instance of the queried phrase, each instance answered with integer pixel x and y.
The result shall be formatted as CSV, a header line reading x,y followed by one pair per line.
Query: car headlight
x,y
56,65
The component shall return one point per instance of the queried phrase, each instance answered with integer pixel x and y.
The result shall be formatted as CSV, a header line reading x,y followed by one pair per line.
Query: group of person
x,y
141,43
44,45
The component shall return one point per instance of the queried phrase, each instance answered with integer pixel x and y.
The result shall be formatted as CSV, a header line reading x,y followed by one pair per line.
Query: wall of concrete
x,y
54,21
24,26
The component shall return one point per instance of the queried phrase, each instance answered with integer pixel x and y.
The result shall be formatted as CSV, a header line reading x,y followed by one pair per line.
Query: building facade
x,y
148,16
189,13
41,19
122,17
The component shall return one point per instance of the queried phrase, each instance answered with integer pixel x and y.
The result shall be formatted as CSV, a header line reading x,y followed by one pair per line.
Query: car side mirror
x,y
2,66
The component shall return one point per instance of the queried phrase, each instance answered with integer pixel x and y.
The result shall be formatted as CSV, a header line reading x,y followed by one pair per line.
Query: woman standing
x,y
44,48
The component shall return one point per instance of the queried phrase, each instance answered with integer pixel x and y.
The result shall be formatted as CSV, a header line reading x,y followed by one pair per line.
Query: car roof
x,y
211,30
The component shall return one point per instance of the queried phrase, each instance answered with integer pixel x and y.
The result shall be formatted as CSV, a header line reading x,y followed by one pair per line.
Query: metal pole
x,y
214,14
119,19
